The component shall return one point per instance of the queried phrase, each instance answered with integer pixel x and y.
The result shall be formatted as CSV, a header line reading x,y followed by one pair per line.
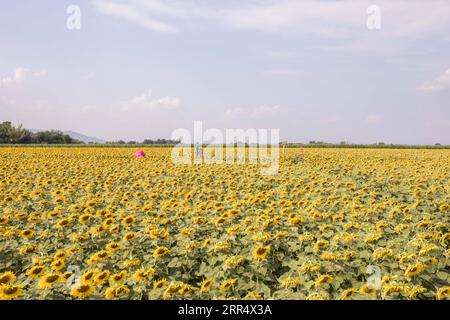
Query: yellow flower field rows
x,y
149,229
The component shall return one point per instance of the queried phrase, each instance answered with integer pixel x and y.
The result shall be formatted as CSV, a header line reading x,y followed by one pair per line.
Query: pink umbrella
x,y
139,154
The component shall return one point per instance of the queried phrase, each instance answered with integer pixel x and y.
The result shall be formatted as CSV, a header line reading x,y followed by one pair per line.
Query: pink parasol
x,y
139,154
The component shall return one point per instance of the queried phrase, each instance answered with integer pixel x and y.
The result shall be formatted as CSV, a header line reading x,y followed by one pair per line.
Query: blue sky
x,y
141,69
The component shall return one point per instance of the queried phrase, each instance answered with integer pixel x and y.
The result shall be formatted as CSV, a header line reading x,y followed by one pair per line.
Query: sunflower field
x,y
94,223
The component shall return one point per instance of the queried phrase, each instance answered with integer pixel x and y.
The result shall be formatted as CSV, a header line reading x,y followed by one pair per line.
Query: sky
x,y
313,69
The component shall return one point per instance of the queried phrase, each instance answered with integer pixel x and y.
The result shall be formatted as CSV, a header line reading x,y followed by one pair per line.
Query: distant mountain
x,y
76,136
84,138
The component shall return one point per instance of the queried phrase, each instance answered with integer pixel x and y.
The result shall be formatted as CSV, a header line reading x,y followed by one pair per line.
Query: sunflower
x,y
260,252
101,277
185,289
129,236
57,264
82,290
220,221
28,233
206,285
414,269
252,296
89,276
8,292
347,294
251,230
171,289
113,246
318,296
80,237
119,277
395,288
262,237
108,223
35,271
305,237
323,280
114,228
444,208
21,215
234,261
131,263
100,255
121,291
62,223
366,289
159,252
430,261
290,282
160,284
443,293
447,254
309,268
382,253
7,278
329,256
27,249
141,275
66,275
445,238
227,285
416,291
110,293
234,212
49,280
167,294
348,255
60,255
129,221
85,218
320,244
233,229
221,247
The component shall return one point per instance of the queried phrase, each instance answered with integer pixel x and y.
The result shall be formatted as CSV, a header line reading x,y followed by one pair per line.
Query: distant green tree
x,y
160,141
19,135
5,132
53,137
10,134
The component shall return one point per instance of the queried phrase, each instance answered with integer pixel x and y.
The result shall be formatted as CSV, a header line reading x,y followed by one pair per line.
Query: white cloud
x,y
441,83
20,75
132,13
343,19
146,102
253,112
